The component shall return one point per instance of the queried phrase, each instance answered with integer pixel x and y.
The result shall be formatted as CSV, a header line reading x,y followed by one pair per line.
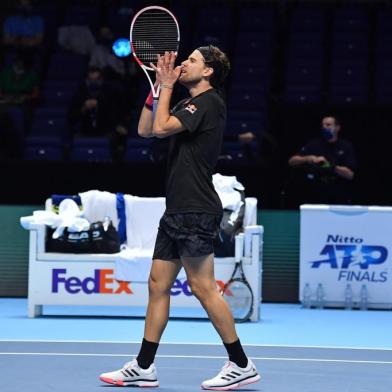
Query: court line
x,y
195,344
196,357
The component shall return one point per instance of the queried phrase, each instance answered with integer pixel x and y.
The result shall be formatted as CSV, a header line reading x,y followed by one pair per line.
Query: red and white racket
x,y
154,30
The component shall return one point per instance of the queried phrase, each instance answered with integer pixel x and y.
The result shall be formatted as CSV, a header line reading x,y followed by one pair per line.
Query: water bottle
x,y
348,297
307,297
320,296
363,295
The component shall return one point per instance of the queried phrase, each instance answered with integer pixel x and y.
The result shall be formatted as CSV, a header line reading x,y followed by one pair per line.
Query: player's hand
x,y
165,70
159,66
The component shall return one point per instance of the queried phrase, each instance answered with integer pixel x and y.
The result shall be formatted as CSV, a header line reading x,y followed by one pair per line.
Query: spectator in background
x,y
324,167
103,58
19,84
24,30
94,112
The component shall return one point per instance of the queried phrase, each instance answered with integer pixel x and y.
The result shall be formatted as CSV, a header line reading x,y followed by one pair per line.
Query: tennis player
x,y
192,216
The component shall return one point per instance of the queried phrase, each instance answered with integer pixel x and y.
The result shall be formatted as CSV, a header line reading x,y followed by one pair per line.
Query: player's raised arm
x,y
164,123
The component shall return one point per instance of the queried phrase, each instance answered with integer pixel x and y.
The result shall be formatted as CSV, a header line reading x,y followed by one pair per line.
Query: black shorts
x,y
188,234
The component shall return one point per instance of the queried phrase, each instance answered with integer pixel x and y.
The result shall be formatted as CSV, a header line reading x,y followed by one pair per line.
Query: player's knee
x,y
202,290
157,286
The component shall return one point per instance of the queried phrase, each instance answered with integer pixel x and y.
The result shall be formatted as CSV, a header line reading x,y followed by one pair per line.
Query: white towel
x,y
99,204
227,188
143,216
69,216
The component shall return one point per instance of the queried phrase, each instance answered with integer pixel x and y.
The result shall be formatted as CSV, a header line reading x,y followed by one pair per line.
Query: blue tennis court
x,y
293,348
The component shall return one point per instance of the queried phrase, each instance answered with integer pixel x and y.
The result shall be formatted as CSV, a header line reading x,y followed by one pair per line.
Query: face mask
x,y
327,133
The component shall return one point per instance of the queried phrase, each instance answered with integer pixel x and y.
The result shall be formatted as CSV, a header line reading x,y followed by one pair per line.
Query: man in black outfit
x,y
193,213
325,167
95,111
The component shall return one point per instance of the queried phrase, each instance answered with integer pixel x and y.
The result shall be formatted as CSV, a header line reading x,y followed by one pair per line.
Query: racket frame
x,y
239,249
155,90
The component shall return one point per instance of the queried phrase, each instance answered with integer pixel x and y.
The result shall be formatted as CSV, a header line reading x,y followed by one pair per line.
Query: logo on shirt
x,y
191,108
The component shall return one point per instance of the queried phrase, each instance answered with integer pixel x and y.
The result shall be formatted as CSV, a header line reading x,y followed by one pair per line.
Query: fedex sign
x,y
102,282
182,287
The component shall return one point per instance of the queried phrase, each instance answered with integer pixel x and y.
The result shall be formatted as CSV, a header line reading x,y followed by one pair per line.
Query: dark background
x,y
286,122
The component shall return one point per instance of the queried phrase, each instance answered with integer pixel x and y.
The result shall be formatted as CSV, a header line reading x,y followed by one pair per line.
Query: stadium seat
x,y
90,150
66,66
43,148
82,15
257,19
50,121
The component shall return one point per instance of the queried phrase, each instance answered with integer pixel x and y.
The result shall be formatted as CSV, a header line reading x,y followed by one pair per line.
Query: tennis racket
x,y
154,30
237,291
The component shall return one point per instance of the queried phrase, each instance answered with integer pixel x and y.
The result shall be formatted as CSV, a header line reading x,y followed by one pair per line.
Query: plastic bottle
x,y
348,297
363,296
307,297
320,296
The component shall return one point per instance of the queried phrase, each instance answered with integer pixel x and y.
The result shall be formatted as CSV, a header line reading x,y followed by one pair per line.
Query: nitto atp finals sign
x,y
353,259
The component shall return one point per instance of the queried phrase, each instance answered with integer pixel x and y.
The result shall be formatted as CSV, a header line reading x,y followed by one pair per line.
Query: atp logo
x,y
353,259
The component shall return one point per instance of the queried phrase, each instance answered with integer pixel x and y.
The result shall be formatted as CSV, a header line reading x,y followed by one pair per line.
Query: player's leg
x,y
162,276
201,279
165,267
239,370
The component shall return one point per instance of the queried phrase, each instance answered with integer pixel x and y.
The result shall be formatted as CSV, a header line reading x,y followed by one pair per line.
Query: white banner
x,y
92,283
347,248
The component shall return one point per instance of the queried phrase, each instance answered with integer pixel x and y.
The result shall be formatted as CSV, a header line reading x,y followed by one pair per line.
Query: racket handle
x,y
239,247
154,107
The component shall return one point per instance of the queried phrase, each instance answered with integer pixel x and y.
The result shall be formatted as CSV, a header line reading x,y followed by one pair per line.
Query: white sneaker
x,y
132,374
232,376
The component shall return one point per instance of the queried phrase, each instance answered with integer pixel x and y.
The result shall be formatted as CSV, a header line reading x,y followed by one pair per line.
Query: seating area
x,y
286,57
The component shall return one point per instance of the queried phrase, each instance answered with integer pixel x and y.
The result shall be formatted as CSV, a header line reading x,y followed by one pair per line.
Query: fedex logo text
x,y
183,287
101,283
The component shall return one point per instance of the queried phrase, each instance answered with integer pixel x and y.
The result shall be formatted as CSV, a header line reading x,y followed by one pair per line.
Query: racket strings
x,y
239,297
154,32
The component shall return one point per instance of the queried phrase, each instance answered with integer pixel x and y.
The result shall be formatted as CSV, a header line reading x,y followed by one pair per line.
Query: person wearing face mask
x,y
94,110
325,166
23,30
